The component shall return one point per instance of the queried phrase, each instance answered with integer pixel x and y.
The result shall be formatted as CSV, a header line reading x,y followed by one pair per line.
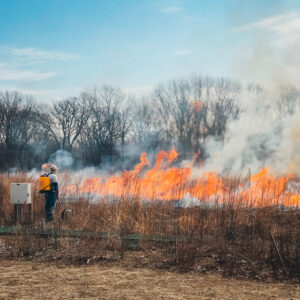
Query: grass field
x,y
36,280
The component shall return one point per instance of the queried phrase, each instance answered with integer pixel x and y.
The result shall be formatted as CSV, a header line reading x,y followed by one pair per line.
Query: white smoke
x,y
62,159
264,135
288,153
190,201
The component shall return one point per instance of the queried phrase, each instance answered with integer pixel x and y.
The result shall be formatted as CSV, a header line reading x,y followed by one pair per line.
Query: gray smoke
x,y
264,135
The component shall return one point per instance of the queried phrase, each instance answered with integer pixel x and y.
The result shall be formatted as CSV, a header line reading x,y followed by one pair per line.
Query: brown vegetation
x,y
231,239
32,280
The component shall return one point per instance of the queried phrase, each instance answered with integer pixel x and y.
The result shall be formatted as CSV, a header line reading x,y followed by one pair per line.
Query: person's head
x,y
53,169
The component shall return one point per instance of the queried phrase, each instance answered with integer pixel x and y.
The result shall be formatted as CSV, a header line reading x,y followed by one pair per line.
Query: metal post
x,y
18,213
278,253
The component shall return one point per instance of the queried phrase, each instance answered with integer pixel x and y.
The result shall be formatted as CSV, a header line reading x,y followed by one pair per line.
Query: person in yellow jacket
x,y
51,196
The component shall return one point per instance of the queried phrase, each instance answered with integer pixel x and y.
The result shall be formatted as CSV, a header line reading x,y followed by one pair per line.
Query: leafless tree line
x,y
98,125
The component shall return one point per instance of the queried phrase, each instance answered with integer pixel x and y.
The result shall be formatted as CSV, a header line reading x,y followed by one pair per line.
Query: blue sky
x,y
56,48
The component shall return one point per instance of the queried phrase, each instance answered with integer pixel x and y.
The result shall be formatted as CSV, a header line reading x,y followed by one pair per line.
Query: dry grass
x,y
31,280
230,237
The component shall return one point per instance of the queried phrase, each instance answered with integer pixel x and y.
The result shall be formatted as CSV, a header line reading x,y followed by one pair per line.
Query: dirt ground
x,y
36,280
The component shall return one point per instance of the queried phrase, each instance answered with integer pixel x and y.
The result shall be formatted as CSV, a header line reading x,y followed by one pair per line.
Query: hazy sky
x,y
56,48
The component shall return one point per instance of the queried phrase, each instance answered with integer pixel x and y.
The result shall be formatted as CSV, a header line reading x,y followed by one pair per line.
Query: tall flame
x,y
166,182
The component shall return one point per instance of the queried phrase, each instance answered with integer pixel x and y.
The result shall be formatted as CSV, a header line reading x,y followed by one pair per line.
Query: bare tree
x,y
223,108
65,120
17,125
145,128
192,109
289,99
109,123
174,105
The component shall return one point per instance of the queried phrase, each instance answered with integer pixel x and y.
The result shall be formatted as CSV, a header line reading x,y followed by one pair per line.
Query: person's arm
x,y
55,185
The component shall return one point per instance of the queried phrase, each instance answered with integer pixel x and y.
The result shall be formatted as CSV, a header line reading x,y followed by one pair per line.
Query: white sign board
x,y
20,193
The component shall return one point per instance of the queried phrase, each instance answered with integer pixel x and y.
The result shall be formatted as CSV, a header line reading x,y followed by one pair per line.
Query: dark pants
x,y
50,204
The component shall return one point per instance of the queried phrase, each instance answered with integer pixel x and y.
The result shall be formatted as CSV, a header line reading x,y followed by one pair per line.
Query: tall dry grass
x,y
234,235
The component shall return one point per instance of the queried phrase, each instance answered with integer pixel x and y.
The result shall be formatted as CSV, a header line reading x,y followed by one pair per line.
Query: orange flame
x,y
197,106
166,182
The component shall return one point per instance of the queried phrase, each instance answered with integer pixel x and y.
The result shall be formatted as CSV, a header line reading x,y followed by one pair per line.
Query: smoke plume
x,y
266,134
